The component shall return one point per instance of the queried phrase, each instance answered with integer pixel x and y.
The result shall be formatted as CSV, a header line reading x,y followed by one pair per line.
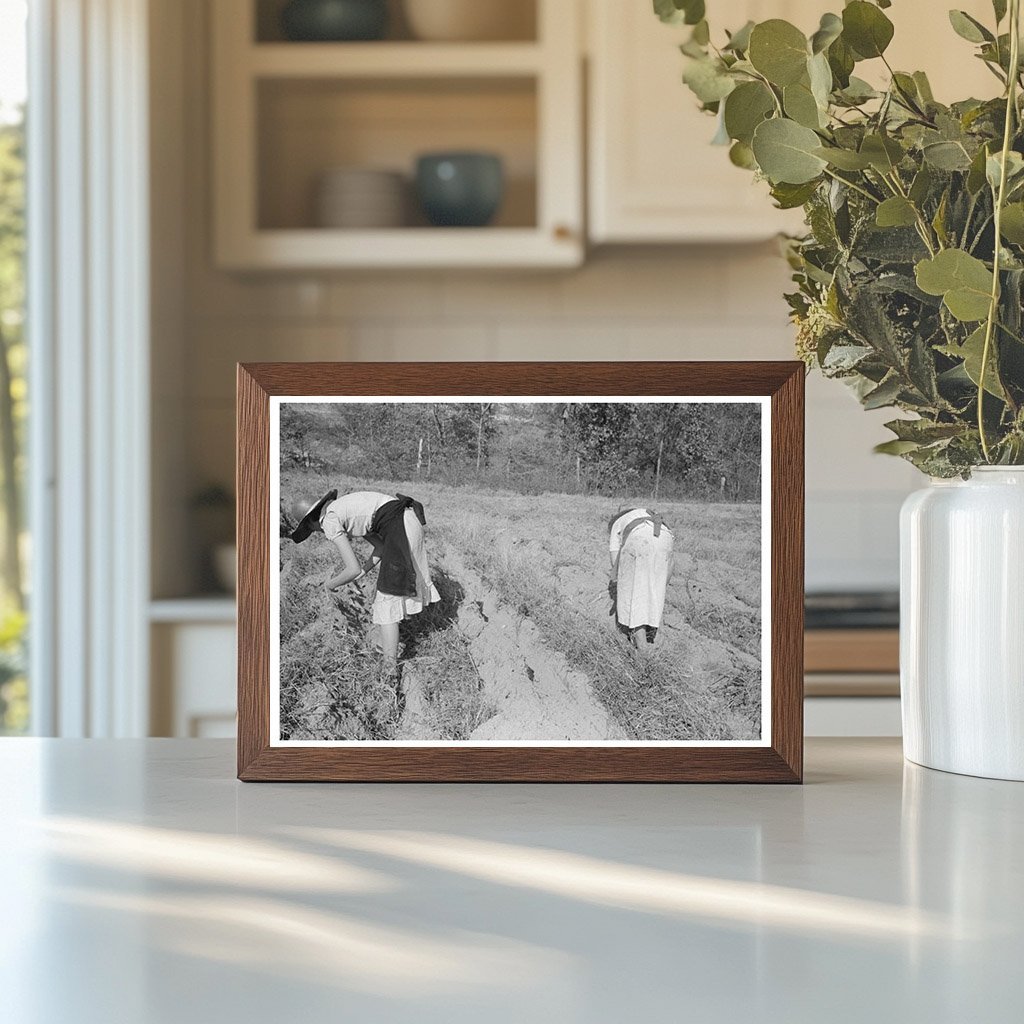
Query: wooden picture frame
x,y
777,757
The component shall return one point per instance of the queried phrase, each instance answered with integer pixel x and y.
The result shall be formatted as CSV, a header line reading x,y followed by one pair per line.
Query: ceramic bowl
x,y
470,20
359,197
334,20
460,189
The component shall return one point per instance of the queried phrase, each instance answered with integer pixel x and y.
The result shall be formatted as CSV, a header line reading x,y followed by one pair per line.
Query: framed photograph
x,y
520,572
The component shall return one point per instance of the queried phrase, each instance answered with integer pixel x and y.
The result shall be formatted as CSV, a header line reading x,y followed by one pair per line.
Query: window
x,y
14,704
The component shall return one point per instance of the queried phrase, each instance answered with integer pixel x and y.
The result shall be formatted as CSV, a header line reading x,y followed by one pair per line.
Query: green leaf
x,y
924,87
906,89
896,447
921,185
695,11
969,28
746,107
785,152
841,60
820,76
999,6
946,156
885,394
971,352
844,159
789,197
1012,226
830,29
708,80
858,91
739,41
976,174
923,431
800,105
939,220
883,153
1014,169
866,29
778,50
741,155
676,12
963,281
896,212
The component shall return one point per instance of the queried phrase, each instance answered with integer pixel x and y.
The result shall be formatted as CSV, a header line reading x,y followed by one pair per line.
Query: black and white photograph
x,y
529,571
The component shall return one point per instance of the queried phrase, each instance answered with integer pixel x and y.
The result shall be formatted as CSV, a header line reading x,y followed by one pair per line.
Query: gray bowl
x,y
334,20
461,190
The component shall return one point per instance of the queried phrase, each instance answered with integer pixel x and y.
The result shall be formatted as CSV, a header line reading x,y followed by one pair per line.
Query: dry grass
x,y
546,556
653,696
333,683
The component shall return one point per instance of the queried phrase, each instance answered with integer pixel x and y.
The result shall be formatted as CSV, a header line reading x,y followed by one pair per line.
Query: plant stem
x,y
856,188
993,309
922,225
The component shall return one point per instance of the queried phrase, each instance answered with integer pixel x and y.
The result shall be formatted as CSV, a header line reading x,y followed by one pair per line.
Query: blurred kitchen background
x,y
265,186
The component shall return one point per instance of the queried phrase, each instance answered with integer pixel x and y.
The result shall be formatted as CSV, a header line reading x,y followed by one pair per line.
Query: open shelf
x,y
308,127
286,114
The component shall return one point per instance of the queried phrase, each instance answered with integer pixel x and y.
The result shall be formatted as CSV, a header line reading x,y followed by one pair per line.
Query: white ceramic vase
x,y
962,624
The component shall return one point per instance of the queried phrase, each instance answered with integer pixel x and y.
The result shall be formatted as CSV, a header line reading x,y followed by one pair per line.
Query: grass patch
x,y
333,683
650,698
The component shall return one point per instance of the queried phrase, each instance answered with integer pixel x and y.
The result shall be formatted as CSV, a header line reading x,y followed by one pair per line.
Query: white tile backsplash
x,y
714,303
637,303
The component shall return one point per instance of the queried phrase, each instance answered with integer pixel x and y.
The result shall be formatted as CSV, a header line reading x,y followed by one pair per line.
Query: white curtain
x,y
88,318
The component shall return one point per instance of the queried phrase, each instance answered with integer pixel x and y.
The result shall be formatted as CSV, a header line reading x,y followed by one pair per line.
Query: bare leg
x,y
389,642
637,636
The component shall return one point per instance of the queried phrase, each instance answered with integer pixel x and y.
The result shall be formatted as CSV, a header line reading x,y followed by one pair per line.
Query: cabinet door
x,y
654,175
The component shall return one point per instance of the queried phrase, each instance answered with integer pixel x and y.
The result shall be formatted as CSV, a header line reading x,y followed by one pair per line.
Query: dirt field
x,y
523,645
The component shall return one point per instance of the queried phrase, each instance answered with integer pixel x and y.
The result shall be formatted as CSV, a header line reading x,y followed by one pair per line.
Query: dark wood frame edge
x,y
780,762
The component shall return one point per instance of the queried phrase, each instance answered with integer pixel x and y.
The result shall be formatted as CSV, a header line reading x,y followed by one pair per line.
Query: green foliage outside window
x,y
13,411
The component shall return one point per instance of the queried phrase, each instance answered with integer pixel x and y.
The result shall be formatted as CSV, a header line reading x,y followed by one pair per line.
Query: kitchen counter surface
x,y
143,885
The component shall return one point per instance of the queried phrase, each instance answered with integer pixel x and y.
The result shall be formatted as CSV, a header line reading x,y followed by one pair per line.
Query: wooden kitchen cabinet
x,y
653,175
192,647
287,113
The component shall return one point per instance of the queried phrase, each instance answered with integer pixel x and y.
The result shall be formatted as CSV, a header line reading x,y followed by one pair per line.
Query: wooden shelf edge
x,y
310,249
392,60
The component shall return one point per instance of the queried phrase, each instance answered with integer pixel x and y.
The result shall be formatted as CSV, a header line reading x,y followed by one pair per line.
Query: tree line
x,y
665,450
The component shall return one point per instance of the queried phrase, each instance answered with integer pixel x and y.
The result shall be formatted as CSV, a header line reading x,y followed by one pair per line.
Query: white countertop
x,y
143,885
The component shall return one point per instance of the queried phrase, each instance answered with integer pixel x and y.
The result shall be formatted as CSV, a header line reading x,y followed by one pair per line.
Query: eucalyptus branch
x,y
771,89
923,227
913,293
850,184
981,231
1000,199
970,216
